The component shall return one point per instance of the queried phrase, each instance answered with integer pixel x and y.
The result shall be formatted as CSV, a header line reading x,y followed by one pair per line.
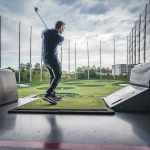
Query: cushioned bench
x,y
8,87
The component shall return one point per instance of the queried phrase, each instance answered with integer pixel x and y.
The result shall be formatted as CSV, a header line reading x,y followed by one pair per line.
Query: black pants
x,y
55,71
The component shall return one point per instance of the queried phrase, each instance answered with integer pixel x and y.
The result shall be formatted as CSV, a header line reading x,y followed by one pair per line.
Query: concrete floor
x,y
125,131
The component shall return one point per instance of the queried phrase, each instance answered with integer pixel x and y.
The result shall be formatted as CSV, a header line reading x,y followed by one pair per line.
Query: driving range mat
x,y
68,105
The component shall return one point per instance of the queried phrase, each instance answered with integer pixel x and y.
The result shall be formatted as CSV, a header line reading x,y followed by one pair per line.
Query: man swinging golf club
x,y
51,38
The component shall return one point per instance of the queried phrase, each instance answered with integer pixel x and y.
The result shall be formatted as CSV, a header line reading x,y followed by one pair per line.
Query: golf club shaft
x,y
41,19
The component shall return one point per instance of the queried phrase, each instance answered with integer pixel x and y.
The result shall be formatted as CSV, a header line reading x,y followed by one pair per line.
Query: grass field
x,y
78,94
73,103
75,88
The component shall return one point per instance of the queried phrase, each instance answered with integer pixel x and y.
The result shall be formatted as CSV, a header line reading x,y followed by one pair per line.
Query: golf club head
x,y
36,9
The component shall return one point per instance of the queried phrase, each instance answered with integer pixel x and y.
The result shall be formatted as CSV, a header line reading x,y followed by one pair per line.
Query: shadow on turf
x,y
58,88
90,85
74,83
118,83
62,94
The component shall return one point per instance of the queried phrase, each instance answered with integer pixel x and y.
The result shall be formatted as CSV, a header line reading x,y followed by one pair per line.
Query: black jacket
x,y
50,40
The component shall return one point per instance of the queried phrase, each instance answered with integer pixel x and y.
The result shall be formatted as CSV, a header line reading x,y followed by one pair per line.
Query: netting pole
x,y
61,54
132,46
100,71
0,42
88,61
127,59
140,39
129,62
145,35
19,53
69,60
30,54
75,61
114,60
135,45
41,78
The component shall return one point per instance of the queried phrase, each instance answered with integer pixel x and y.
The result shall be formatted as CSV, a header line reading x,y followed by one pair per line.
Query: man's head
x,y
60,26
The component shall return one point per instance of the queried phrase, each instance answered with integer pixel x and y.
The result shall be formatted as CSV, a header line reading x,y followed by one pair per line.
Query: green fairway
x,y
75,88
69,103
78,95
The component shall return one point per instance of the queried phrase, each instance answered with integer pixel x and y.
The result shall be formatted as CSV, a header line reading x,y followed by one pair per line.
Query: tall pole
x,y
69,60
0,42
130,49
61,54
88,61
41,78
145,35
114,60
30,54
19,53
132,46
41,75
127,60
75,61
140,40
135,46
100,71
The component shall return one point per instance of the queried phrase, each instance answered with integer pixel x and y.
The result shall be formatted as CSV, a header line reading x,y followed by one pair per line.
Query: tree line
x,y
81,72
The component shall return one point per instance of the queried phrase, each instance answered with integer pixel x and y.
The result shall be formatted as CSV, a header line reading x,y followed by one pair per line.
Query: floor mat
x,y
68,105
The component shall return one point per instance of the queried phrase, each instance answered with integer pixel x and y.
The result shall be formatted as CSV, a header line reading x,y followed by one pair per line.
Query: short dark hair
x,y
58,24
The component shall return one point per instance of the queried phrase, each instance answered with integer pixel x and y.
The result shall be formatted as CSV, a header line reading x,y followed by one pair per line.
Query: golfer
x,y
51,38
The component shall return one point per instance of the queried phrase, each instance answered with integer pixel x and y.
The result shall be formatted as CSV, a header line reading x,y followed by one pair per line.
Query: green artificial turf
x,y
78,95
77,87
69,103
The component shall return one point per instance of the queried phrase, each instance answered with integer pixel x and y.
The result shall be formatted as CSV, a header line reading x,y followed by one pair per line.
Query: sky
x,y
86,20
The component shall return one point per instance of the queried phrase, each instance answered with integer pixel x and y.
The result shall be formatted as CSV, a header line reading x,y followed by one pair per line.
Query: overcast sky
x,y
86,20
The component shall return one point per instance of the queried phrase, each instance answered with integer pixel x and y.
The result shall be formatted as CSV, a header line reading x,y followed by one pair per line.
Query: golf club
x,y
36,10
